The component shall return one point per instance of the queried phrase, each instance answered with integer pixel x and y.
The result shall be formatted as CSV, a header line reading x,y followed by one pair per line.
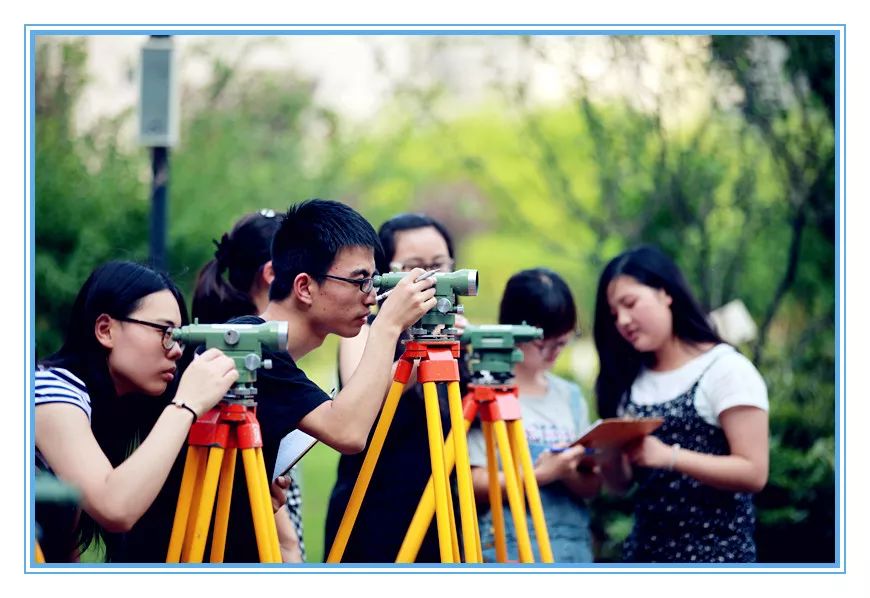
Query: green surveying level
x,y
493,348
448,286
493,396
244,343
229,427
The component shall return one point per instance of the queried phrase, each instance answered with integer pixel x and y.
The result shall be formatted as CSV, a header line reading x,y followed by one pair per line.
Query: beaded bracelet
x,y
675,448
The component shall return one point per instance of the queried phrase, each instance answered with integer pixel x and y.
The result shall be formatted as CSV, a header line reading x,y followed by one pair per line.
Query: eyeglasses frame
x,y
166,329
360,282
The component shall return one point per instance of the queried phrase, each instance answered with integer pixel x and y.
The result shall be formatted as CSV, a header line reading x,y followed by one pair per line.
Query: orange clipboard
x,y
616,432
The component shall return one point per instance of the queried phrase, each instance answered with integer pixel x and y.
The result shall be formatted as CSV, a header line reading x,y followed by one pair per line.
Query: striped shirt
x,y
57,385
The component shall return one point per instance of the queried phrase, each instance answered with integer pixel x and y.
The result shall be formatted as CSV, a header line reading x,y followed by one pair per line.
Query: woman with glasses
x,y
110,417
554,414
409,241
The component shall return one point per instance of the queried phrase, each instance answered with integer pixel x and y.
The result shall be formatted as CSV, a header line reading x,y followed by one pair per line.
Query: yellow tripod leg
x,y
436,454
515,428
365,474
195,501
426,508
454,537
222,514
518,465
495,503
206,505
40,558
268,513
477,537
182,507
264,548
524,542
463,473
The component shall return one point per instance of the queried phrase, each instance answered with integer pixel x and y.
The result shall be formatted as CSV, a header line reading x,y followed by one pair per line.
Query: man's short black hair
x,y
310,236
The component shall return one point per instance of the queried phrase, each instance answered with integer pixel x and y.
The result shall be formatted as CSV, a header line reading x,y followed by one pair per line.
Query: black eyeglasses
x,y
168,342
365,284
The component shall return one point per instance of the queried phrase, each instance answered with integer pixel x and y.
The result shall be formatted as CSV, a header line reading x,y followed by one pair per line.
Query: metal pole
x,y
159,192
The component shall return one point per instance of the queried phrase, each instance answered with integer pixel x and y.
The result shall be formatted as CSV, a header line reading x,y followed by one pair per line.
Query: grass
x,y
318,477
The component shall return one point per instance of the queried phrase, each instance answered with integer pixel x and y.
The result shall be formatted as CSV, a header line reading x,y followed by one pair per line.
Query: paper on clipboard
x,y
292,448
615,432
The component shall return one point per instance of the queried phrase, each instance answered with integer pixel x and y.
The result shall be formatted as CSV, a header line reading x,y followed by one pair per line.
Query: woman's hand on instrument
x,y
206,380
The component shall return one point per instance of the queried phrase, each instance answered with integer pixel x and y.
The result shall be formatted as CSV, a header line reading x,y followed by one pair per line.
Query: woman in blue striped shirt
x,y
104,420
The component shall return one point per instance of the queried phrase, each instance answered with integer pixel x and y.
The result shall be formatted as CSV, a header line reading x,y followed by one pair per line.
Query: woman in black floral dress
x,y
694,475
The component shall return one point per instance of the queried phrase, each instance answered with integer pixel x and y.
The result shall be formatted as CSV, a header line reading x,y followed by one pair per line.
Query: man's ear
x,y
103,331
304,287
268,273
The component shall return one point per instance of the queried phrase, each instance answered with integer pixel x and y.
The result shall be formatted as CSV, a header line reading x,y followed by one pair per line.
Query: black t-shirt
x,y
284,396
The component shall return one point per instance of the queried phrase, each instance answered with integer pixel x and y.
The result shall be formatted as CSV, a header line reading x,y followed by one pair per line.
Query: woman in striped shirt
x,y
104,420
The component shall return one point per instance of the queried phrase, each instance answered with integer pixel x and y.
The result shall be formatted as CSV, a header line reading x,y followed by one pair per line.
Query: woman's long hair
x,y
620,362
116,288
223,285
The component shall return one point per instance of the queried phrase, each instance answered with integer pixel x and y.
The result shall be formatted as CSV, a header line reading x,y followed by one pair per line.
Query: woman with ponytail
x,y
236,283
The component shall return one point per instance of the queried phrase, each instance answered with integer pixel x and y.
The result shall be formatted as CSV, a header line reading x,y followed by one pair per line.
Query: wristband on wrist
x,y
675,448
182,405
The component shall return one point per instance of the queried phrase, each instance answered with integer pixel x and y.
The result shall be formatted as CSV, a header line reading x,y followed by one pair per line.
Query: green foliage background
x,y
742,196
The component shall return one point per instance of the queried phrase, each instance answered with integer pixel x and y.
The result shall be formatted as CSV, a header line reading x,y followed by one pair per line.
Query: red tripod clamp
x,y
438,360
227,425
495,403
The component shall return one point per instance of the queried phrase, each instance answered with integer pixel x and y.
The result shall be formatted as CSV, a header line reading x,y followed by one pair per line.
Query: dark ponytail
x,y
223,284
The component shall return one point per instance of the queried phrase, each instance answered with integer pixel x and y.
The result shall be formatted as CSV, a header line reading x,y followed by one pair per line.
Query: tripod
x,y
211,457
499,409
438,363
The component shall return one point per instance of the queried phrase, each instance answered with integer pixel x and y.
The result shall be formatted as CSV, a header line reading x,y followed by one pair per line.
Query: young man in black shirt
x,y
323,257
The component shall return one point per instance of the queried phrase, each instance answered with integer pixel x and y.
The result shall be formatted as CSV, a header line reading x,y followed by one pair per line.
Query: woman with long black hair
x,y
109,419
696,474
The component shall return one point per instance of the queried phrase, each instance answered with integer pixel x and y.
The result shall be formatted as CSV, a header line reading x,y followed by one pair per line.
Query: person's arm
x,y
288,538
344,423
350,352
616,471
117,497
745,469
550,467
583,483
480,484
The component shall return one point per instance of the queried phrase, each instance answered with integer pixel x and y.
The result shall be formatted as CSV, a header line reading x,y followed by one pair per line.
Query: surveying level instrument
x,y
493,395
434,343
214,437
448,287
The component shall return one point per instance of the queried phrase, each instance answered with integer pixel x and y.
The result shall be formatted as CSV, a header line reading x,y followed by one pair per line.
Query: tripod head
x,y
243,343
493,350
449,286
